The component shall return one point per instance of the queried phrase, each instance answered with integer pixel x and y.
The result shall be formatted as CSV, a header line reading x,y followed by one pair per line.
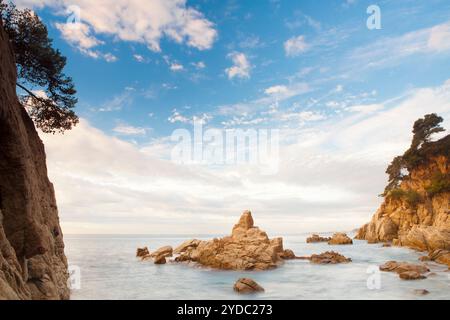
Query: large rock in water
x,y
422,225
340,238
247,285
32,260
248,248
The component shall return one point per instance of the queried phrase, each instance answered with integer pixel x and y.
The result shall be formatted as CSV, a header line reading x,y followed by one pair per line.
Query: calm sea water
x,y
109,270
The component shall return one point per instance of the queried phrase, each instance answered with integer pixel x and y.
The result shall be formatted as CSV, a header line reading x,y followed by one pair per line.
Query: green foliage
x,y
412,197
439,183
40,65
422,148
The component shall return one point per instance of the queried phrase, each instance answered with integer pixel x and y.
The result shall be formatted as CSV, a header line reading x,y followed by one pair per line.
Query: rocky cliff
x,y
32,260
416,215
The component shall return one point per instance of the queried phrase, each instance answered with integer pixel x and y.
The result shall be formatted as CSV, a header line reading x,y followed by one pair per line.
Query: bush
x,y
411,197
439,183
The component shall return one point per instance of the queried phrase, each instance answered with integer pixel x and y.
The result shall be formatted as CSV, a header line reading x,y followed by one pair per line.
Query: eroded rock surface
x,y
340,239
423,224
316,238
32,260
247,248
329,257
405,270
247,285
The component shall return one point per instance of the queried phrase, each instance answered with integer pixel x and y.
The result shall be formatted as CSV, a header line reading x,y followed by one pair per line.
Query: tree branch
x,y
27,91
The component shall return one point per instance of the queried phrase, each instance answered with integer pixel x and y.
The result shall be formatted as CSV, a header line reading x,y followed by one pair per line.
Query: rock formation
x,y
421,222
142,252
340,238
329,257
248,248
316,238
32,260
405,270
246,285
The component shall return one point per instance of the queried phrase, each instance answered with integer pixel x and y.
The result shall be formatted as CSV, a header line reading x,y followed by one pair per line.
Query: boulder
x,y
329,257
185,246
287,254
316,238
340,238
161,259
247,285
411,275
142,252
440,256
165,251
400,267
247,248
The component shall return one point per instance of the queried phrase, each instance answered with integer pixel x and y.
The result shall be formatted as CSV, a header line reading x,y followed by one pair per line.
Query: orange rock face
x,y
340,238
246,285
247,248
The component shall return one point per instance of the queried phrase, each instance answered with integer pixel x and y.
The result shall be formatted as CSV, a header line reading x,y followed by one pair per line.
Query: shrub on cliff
x,y
41,66
421,150
439,183
411,197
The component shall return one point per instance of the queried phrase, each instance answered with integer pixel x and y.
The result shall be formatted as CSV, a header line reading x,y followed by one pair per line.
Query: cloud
x,y
176,67
139,58
199,65
392,50
119,101
177,117
333,171
143,21
241,66
127,130
276,90
295,46
79,36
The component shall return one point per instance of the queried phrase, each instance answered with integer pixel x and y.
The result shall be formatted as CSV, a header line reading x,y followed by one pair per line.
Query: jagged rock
x,y
287,254
329,257
185,246
247,285
165,251
248,248
340,238
411,275
142,252
32,260
161,259
423,225
316,238
387,245
440,256
405,270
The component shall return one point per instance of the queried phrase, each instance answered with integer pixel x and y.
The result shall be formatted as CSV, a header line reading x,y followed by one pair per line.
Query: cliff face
x,y
422,223
32,260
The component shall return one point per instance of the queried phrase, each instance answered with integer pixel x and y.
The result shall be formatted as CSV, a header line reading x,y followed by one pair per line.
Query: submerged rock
x,y
316,238
340,238
421,292
247,248
161,259
247,285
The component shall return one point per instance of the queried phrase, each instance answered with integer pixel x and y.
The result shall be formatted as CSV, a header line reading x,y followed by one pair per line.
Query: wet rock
x,y
142,252
247,285
247,248
165,251
340,239
287,254
316,238
161,259
421,292
329,257
411,275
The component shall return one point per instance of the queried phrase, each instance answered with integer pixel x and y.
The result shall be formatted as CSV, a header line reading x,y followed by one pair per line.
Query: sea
x,y
105,267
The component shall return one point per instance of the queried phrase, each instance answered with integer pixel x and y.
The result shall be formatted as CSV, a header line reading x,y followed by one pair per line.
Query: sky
x,y
340,92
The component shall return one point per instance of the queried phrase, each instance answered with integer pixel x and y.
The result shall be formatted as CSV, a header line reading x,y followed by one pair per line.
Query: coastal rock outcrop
x,y
340,239
247,248
416,215
32,260
405,270
142,252
329,257
316,238
247,285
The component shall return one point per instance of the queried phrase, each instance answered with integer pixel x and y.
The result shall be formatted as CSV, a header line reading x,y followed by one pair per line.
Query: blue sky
x,y
343,96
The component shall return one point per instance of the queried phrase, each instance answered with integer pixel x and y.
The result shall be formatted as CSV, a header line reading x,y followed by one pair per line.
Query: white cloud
x,y
333,171
391,50
295,46
199,65
241,66
176,67
79,35
127,130
139,58
177,117
143,21
276,90
365,108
